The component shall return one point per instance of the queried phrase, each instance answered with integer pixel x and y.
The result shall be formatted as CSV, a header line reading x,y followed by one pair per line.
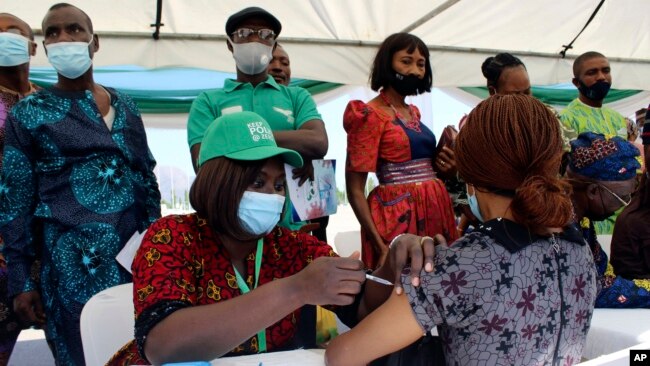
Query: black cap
x,y
252,12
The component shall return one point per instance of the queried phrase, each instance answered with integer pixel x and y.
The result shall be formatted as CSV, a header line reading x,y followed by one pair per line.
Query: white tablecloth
x,y
300,357
615,329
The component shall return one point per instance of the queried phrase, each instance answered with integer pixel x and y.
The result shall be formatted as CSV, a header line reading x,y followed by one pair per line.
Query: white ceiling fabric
x,y
335,40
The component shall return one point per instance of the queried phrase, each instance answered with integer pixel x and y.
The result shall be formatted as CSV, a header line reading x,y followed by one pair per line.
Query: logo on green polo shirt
x,y
286,112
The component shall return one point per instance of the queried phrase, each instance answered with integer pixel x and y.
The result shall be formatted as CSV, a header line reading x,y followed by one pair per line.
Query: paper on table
x,y
126,255
302,357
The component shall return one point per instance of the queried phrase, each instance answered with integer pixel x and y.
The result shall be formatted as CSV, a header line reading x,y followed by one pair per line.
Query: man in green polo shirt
x,y
592,76
290,111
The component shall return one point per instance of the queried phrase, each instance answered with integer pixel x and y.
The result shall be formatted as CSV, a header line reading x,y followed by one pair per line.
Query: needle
x,y
379,280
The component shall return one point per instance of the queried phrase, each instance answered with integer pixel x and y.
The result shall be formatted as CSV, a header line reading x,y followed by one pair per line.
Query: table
x,y
618,358
616,329
299,357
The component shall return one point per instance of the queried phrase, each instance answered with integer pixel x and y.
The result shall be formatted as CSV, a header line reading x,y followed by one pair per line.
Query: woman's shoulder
x,y
297,241
357,105
173,225
469,245
357,110
358,113
471,239
182,235
180,220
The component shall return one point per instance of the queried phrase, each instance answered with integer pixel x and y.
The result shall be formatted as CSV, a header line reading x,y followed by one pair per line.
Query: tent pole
x,y
158,24
430,15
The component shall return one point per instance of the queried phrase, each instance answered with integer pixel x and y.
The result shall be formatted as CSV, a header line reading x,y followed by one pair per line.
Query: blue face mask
x,y
473,205
14,49
260,212
70,59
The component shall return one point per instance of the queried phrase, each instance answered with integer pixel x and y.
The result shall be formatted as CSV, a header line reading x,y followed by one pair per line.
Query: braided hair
x,y
512,146
493,66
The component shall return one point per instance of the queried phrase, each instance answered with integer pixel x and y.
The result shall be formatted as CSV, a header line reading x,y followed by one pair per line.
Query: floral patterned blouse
x,y
504,296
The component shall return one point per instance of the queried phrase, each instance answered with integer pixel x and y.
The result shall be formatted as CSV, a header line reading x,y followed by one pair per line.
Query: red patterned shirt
x,y
181,263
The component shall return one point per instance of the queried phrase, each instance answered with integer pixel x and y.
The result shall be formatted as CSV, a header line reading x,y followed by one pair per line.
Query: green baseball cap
x,y
243,136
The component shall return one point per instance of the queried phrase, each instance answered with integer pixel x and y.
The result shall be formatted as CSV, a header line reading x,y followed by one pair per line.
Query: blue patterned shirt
x,y
88,188
616,291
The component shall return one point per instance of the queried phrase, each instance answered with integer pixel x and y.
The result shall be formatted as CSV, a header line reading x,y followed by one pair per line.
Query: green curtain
x,y
555,95
162,101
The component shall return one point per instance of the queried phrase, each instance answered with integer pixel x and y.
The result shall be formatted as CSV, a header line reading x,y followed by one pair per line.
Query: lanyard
x,y
243,287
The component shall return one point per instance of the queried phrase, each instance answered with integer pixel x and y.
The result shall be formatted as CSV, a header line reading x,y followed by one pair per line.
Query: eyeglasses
x,y
245,34
624,202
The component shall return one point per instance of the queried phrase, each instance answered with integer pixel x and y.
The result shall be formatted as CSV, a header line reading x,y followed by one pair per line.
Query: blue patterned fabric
x,y
609,159
10,325
615,291
503,296
89,187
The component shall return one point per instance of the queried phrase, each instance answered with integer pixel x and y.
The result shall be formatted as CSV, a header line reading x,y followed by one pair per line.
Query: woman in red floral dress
x,y
386,136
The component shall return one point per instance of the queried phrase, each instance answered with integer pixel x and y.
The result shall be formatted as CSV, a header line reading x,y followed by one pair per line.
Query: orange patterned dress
x,y
409,198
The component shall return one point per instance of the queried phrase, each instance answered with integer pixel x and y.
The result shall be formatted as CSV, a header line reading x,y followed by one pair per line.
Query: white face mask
x,y
260,212
70,59
14,49
252,58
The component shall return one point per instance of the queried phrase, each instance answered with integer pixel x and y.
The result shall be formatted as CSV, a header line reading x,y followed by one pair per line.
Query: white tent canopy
x,y
335,40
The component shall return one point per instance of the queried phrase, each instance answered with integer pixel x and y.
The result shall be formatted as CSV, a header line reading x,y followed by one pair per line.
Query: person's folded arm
x,y
310,140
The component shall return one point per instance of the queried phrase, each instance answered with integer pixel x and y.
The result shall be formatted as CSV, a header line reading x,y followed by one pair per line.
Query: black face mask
x,y
598,91
405,84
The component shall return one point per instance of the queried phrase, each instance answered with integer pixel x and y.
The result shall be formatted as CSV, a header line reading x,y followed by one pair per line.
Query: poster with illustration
x,y
315,198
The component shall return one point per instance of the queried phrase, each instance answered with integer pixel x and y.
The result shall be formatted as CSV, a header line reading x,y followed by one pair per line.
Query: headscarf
x,y
606,159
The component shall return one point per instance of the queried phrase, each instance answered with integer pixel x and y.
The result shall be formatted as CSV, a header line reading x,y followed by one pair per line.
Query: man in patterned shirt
x,y
592,76
76,161
16,47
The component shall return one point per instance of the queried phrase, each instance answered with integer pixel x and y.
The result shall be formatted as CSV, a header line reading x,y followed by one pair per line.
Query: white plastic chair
x,y
107,322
